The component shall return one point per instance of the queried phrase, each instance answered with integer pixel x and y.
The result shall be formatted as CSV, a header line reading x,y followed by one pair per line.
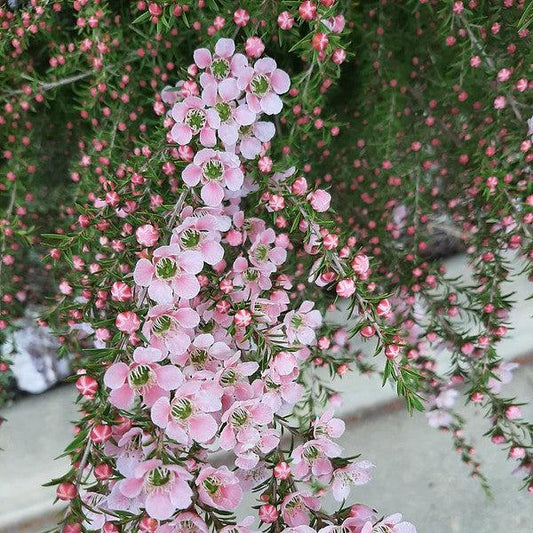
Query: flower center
x,y
140,376
224,111
199,358
195,119
261,253
260,84
220,68
213,170
162,325
211,484
251,275
239,417
159,477
190,238
186,526
229,377
381,528
166,268
245,131
181,408
296,321
311,453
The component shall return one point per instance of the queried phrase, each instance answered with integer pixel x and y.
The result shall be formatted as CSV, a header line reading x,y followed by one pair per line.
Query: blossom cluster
x,y
219,350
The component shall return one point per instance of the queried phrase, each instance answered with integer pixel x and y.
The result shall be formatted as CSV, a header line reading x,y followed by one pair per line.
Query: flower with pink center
x,y
215,170
186,522
143,377
185,417
221,65
265,256
193,119
167,328
263,83
354,474
242,420
163,488
313,456
295,508
170,274
300,325
219,488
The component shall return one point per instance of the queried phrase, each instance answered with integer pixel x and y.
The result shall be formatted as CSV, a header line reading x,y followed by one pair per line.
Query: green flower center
x,y
381,528
260,84
181,408
213,170
251,275
190,238
220,68
261,253
244,131
229,377
140,376
159,477
199,358
239,417
195,119
211,484
162,324
224,111
311,453
166,268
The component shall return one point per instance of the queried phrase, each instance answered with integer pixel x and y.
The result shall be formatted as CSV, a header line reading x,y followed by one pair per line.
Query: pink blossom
x,y
143,377
263,84
354,474
223,64
170,274
192,118
162,488
147,235
127,322
219,488
185,522
300,324
295,508
214,169
328,426
313,457
392,524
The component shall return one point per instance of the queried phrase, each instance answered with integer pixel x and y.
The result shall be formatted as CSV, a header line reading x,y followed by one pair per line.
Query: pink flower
x,y
503,375
263,84
219,488
392,524
170,274
313,457
193,119
254,47
252,136
328,426
185,418
166,328
345,288
222,64
360,264
214,169
241,527
186,522
295,509
355,474
127,322
144,377
300,324
163,488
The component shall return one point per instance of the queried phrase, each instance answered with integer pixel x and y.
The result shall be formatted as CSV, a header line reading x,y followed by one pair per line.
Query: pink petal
x,y
122,397
227,439
116,375
187,317
160,412
233,178
202,57
271,104
131,487
280,81
208,137
244,116
151,395
229,133
177,433
144,272
264,131
181,133
225,48
191,261
212,194
181,495
202,427
178,343
265,65
191,175
169,377
212,251
161,292
228,89
186,286
250,147
159,506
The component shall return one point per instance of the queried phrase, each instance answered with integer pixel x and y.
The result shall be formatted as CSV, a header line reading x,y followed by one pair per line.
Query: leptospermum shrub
x,y
194,150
